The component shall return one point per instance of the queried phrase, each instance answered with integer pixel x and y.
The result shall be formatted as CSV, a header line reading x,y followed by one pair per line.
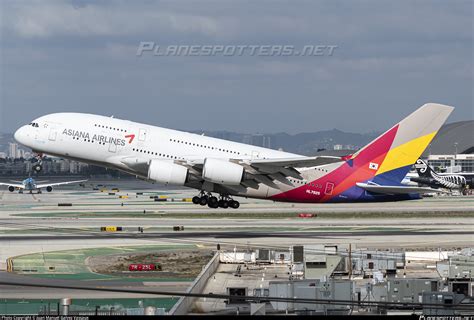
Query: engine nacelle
x,y
167,172
49,188
11,188
222,171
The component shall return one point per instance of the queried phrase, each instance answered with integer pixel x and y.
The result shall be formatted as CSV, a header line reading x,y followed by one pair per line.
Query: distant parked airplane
x,y
428,177
30,184
220,169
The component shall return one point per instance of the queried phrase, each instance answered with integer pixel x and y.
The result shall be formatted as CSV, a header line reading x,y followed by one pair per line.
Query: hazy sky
x,y
391,57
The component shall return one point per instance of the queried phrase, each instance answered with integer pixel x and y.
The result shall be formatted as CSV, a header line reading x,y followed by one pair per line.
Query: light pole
x,y
455,153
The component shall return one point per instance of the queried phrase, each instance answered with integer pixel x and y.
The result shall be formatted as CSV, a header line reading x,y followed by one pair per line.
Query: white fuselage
x,y
228,168
116,143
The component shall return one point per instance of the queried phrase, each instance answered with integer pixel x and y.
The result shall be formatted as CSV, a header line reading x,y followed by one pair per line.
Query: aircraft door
x,y
142,135
53,133
329,188
255,155
112,147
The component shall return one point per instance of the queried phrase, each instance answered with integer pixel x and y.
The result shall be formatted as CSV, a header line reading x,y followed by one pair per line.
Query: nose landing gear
x,y
224,201
38,166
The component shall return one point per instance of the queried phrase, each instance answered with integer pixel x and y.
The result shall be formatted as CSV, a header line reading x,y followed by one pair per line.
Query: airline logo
x,y
373,166
421,165
130,137
94,137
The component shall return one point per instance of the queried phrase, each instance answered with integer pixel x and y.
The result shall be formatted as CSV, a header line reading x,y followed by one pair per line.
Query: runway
x,y
235,235
36,224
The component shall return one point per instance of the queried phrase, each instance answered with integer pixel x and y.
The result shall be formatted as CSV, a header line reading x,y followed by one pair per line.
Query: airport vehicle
x,y
427,176
30,184
219,167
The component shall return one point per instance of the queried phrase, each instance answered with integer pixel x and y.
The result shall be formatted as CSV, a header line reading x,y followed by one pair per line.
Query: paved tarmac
x,y
35,223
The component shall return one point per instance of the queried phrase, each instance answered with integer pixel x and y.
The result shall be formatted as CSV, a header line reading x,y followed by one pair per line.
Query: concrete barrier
x,y
184,303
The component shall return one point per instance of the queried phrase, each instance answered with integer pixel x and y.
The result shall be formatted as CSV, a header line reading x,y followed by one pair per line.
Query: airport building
x,y
453,148
452,163
453,138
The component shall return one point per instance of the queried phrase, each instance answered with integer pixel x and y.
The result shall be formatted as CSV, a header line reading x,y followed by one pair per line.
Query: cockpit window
x,y
34,124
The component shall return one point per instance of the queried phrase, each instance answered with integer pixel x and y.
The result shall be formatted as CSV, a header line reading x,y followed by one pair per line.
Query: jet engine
x,y
49,188
167,172
11,188
222,171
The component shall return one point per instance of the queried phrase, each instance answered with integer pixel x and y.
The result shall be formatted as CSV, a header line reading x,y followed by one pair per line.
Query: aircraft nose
x,y
20,135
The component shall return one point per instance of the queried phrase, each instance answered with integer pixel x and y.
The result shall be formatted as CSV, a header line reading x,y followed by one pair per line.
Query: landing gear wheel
x,y
213,205
234,204
203,201
213,202
225,204
196,200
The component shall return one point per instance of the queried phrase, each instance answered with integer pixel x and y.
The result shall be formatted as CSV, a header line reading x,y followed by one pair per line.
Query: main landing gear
x,y
211,201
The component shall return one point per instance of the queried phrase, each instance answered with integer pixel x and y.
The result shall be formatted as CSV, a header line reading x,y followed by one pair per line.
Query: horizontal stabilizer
x,y
396,189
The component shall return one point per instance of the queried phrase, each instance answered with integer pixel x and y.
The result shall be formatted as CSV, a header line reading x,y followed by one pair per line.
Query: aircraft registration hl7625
x,y
220,169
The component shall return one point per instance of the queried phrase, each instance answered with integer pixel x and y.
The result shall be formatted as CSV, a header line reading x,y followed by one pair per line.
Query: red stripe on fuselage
x,y
344,176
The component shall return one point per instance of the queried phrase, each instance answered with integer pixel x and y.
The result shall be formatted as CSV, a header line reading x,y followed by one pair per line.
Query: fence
x,y
185,303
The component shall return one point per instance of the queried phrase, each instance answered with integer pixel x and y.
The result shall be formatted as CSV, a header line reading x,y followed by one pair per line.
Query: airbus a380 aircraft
x,y
226,168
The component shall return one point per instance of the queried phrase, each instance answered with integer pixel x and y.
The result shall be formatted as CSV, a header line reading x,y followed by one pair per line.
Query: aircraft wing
x,y
395,189
39,186
299,162
267,171
15,185
41,181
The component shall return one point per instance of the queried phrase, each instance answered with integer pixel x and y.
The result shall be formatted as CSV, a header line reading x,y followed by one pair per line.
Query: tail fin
x,y
391,155
423,169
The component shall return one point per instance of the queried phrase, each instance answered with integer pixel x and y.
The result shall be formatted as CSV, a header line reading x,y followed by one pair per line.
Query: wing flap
x,y
270,171
297,162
